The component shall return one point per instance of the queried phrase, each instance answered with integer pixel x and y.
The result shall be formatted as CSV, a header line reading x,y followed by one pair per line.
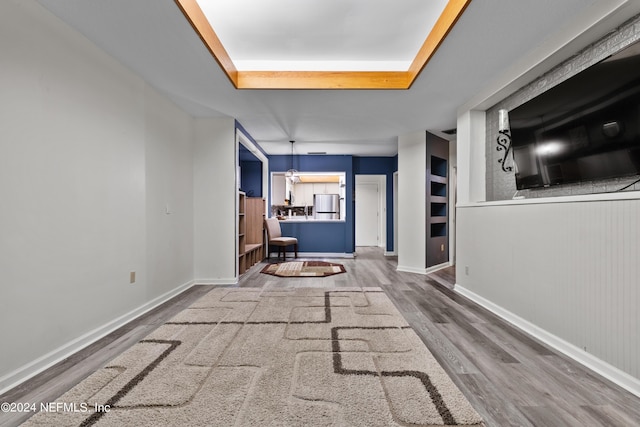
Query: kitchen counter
x,y
317,235
310,219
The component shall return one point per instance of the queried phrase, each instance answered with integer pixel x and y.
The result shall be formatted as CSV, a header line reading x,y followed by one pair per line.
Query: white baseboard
x,y
407,269
599,366
438,267
392,253
23,373
422,270
223,282
290,255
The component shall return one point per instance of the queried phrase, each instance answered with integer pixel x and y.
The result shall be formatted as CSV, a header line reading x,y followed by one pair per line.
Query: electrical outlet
x,y
466,270
442,247
132,277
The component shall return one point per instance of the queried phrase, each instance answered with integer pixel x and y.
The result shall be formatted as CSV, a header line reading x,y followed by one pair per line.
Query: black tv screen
x,y
585,128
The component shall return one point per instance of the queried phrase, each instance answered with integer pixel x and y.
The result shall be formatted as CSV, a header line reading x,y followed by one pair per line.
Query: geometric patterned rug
x,y
304,269
259,357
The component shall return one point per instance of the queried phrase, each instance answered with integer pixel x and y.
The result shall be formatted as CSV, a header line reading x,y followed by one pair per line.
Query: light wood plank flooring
x,y
509,378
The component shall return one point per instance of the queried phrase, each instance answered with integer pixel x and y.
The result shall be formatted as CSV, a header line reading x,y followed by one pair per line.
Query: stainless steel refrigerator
x,y
326,206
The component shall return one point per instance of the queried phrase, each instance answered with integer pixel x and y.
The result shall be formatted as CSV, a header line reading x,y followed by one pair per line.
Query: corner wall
x,y
412,169
215,189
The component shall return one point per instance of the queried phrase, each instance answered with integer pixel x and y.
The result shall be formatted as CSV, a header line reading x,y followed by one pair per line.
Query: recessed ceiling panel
x,y
322,35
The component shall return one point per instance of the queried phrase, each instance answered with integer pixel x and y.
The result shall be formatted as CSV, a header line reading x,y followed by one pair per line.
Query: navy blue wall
x,y
251,178
250,167
336,237
380,166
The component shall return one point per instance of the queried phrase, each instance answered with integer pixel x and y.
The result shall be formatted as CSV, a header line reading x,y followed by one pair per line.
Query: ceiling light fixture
x,y
291,173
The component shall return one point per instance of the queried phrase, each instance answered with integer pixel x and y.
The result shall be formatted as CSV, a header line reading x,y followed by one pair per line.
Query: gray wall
x,y
501,185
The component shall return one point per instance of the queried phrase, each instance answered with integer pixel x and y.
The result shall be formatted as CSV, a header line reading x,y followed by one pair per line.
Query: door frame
x,y
381,180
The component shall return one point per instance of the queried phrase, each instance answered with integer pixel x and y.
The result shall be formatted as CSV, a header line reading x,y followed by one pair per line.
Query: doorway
x,y
370,210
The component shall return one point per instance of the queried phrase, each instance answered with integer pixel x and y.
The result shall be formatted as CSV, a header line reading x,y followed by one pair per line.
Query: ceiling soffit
x,y
322,79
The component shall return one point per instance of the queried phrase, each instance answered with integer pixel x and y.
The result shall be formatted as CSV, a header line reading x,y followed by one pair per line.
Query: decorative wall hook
x,y
504,139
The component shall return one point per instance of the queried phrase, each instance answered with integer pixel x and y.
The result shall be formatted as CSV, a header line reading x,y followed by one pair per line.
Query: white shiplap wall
x,y
568,269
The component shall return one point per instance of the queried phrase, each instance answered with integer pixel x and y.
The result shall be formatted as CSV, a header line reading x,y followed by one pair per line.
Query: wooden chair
x,y
274,235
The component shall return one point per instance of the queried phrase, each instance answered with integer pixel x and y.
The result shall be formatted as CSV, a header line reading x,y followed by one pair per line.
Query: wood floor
x,y
509,378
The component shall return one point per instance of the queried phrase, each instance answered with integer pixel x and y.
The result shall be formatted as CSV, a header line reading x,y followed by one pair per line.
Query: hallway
x,y
509,378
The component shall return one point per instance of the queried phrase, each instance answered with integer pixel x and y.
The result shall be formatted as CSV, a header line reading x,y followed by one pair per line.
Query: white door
x,y
367,214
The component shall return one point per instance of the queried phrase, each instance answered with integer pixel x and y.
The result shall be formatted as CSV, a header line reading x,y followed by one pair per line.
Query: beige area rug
x,y
252,357
304,269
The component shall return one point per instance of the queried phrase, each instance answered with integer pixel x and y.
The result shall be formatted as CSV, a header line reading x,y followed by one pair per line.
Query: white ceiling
x,y
153,38
322,35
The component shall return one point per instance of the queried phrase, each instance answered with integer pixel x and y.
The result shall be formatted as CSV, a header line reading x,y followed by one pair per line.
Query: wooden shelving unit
x,y
242,227
250,231
437,200
255,230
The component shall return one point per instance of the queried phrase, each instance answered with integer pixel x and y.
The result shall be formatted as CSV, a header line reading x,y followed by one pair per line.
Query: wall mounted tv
x,y
585,128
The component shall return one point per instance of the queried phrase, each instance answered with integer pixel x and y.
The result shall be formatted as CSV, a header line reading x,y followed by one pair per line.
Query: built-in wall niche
x,y
438,229
501,185
437,239
439,166
438,189
438,209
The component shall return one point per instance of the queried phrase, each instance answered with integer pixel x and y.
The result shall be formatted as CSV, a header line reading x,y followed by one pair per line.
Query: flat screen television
x,y
583,129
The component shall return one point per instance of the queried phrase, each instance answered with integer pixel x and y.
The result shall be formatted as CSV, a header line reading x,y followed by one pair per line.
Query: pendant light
x,y
291,173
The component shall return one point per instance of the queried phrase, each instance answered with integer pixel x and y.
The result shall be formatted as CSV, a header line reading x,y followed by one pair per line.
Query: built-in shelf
x,y
438,209
250,231
437,200
241,230
438,189
439,166
439,229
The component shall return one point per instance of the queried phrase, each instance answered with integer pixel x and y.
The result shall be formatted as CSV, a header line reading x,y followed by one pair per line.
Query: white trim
x,y
395,213
23,373
382,191
290,256
411,269
608,371
243,139
230,281
437,267
423,270
581,198
390,253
